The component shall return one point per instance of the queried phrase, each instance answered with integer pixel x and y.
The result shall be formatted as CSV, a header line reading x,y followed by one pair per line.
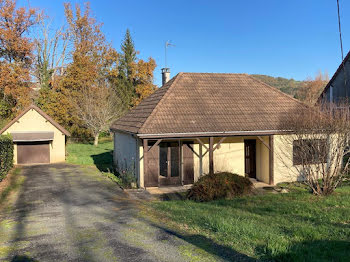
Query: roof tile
x,y
209,102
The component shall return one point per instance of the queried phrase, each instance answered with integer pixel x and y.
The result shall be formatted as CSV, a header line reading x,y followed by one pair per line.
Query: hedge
x,y
6,155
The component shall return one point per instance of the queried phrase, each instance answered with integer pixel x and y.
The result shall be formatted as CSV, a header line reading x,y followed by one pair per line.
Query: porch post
x,y
145,161
211,155
180,163
271,161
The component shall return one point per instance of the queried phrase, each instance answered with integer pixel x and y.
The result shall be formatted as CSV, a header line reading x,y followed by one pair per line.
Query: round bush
x,y
221,185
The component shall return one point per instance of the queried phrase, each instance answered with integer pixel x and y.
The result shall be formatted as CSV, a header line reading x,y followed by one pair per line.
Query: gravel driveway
x,y
70,213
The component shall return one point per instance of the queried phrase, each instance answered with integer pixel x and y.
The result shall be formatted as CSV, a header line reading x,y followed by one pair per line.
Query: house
x,y
337,90
200,123
37,137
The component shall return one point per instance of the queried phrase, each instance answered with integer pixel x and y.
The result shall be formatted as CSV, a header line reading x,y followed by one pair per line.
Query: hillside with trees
x,y
307,91
289,86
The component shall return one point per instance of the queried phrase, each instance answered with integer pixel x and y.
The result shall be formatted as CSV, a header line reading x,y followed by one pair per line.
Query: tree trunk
x,y
96,139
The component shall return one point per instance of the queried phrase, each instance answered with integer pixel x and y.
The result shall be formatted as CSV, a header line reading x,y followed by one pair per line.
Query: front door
x,y
250,158
169,164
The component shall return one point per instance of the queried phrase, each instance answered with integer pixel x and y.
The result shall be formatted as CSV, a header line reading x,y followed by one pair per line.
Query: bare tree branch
x,y
319,140
98,107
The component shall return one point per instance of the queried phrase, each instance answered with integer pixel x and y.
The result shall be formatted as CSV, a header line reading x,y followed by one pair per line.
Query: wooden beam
x,y
180,162
211,155
262,141
200,161
201,142
205,152
192,149
218,144
156,144
271,160
145,160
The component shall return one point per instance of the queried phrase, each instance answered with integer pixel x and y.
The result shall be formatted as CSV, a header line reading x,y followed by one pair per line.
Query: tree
x,y
312,88
16,54
125,86
135,76
144,80
98,106
93,61
50,53
318,143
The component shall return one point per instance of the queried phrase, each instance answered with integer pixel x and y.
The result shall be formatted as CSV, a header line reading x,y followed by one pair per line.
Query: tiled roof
x,y
209,103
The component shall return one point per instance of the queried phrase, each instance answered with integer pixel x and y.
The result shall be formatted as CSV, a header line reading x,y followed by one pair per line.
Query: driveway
x,y
70,213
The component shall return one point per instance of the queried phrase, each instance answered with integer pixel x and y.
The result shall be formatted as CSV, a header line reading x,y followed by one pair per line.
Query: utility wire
x,y
341,47
339,26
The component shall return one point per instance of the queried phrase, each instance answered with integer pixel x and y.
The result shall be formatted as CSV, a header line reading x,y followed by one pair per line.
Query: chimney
x,y
165,75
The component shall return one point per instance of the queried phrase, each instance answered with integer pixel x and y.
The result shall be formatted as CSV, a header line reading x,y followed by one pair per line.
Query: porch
x,y
182,161
179,192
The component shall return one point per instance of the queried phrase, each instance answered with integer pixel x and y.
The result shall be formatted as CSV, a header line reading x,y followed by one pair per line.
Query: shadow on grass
x,y
104,161
18,258
202,242
317,250
173,196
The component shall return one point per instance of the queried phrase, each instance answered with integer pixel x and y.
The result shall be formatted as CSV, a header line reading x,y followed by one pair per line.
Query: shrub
x,y
126,176
128,179
6,155
218,186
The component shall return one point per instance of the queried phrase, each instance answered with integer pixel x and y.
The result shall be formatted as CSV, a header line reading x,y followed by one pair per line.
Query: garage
x,y
33,152
37,138
33,147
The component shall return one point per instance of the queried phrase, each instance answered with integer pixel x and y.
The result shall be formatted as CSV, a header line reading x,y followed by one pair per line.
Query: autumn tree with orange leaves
x,y
144,80
312,88
94,60
16,56
72,66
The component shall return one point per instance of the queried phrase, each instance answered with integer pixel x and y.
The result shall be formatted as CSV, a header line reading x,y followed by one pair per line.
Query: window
x,y
309,151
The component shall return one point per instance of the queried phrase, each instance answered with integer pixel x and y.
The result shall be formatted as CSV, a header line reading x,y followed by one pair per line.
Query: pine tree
x,y
125,86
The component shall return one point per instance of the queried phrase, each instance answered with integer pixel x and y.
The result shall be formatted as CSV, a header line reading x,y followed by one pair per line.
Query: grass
x,y
100,156
87,154
285,227
10,184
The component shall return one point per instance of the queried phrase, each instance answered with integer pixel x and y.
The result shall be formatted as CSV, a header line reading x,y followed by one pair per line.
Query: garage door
x,y
33,152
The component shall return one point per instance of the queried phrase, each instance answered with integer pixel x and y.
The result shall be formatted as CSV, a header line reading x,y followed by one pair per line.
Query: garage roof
x,y
32,136
42,113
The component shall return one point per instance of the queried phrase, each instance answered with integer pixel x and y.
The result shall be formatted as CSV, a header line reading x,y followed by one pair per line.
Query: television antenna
x,y
167,44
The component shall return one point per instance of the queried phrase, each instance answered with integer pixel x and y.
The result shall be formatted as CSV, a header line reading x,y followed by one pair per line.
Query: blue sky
x,y
290,38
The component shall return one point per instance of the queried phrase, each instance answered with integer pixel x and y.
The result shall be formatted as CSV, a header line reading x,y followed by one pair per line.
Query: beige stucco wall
x,y
34,122
263,159
229,157
284,171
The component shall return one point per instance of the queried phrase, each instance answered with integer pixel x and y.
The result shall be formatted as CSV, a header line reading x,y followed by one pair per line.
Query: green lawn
x,y
286,227
100,156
